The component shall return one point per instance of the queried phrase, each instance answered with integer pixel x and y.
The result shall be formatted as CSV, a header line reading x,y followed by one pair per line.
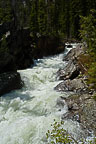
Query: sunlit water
x,y
27,114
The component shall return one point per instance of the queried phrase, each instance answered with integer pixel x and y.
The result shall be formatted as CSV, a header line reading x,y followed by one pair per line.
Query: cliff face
x,y
18,50
18,55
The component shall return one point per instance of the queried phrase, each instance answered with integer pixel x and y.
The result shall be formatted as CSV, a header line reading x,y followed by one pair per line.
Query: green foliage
x,y
92,75
42,17
88,35
94,96
33,20
58,135
88,30
5,11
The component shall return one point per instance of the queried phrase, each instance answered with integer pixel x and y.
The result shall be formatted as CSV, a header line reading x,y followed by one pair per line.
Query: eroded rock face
x,y
75,85
71,71
82,108
7,63
19,44
9,81
73,53
48,45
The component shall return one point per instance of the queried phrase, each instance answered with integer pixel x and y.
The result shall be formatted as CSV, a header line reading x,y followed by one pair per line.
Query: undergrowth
x,y
58,135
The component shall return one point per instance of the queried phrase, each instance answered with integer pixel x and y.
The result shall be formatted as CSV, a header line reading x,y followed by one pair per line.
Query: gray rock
x,y
7,63
71,71
82,108
73,53
76,85
9,81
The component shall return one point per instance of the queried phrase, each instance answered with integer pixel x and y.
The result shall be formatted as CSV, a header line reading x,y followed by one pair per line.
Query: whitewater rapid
x,y
27,114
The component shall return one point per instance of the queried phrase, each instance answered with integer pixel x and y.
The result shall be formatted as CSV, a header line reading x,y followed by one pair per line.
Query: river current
x,y
27,114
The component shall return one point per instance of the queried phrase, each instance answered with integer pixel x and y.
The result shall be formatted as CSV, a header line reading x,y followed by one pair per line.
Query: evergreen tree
x,y
42,17
34,19
88,35
5,11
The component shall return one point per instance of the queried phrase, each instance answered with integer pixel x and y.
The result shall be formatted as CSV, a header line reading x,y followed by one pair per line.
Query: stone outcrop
x,y
10,81
75,85
70,71
73,53
48,45
69,74
81,108
19,43
22,51
7,63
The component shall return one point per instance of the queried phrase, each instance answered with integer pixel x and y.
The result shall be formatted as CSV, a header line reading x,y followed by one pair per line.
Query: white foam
x,y
27,114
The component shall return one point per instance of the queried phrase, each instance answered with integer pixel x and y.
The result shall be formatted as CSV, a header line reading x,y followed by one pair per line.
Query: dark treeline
x,y
46,17
34,28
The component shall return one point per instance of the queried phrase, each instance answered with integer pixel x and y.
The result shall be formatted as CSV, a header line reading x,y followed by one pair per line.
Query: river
x,y
27,114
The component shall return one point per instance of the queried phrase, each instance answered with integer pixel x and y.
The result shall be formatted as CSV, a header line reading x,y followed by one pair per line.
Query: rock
x,y
69,46
48,45
88,114
9,81
60,102
71,115
71,71
19,43
19,53
7,63
82,108
73,53
76,85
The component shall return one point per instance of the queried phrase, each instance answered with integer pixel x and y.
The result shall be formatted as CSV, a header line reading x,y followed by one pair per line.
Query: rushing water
x,y
26,114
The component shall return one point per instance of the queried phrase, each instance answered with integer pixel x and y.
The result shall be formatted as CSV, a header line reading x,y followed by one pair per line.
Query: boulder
x,y
7,63
75,85
9,81
73,53
70,71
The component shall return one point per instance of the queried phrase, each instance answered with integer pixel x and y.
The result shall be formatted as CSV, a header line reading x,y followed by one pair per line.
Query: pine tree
x,y
5,11
34,20
88,35
42,17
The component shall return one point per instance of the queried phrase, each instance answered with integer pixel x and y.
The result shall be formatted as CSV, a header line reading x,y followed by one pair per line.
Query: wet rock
x,y
9,81
61,102
71,115
73,53
71,71
69,46
75,85
88,114
82,108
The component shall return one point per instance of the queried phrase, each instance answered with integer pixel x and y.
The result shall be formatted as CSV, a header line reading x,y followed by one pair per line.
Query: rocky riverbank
x,y
81,105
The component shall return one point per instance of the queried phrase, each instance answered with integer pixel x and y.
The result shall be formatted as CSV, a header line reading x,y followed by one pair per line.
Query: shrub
x,y
88,35
58,135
